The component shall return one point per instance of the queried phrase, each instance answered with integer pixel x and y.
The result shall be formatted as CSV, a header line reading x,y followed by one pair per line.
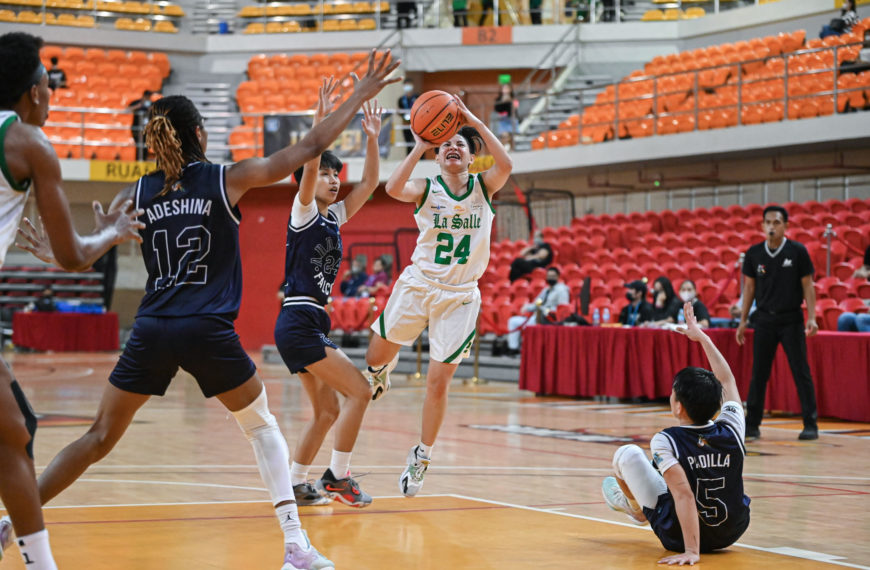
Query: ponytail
x,y
163,140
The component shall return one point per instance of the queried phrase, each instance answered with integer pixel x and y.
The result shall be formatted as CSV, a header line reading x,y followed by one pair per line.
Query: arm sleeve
x,y
732,416
748,268
301,215
664,455
340,212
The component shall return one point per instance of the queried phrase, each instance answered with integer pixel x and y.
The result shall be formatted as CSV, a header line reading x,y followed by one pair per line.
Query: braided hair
x,y
171,134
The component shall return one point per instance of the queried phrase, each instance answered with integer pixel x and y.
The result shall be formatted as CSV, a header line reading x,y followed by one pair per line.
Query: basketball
x,y
435,116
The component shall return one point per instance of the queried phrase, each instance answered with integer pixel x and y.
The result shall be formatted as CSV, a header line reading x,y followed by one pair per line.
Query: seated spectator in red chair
x,y
379,280
539,254
554,294
354,278
863,272
854,322
665,303
638,310
689,294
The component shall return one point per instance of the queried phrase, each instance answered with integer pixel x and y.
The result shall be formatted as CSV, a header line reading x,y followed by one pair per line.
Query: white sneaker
x,y
616,500
298,558
411,480
379,378
5,534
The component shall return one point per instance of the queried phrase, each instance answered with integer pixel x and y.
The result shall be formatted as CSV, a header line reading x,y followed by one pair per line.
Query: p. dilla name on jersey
x,y
178,206
709,460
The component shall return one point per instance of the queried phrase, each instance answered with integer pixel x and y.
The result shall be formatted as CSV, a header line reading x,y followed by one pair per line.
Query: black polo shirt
x,y
867,256
778,275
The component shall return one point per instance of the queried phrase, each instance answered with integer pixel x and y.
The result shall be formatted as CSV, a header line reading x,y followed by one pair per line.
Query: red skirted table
x,y
626,363
65,331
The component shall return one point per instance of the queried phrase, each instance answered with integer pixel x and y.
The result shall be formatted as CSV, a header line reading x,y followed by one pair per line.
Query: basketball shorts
x,y
301,335
206,346
449,312
666,526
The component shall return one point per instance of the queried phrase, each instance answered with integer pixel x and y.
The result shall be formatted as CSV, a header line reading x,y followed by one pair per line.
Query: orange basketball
x,y
435,116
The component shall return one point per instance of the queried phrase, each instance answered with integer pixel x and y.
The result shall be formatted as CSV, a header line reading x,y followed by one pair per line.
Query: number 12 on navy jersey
x,y
178,260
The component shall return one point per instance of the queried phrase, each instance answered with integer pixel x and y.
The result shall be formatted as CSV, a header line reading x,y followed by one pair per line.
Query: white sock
x,y
424,450
36,551
288,517
340,464
270,448
299,473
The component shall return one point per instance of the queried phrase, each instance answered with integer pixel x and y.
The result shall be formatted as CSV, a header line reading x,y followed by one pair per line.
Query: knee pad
x,y
625,454
256,416
27,412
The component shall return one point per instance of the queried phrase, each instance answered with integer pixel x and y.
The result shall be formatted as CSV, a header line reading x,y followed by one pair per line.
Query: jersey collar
x,y
451,194
775,253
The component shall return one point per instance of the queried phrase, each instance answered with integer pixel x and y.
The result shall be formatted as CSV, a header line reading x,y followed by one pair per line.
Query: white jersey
x,y
13,194
453,246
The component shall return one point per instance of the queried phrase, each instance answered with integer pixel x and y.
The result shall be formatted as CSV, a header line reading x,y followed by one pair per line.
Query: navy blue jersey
x,y
313,253
712,457
190,245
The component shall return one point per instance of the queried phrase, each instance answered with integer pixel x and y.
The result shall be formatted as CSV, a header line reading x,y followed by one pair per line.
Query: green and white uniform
x,y
439,288
13,194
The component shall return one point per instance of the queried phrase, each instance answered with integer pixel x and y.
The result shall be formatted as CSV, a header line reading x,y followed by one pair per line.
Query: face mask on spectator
x,y
686,296
551,281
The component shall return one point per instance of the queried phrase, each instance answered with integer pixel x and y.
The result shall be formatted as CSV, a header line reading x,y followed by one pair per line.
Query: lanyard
x,y
632,314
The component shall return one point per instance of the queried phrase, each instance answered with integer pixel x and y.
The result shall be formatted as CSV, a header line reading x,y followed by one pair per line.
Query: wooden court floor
x,y
514,483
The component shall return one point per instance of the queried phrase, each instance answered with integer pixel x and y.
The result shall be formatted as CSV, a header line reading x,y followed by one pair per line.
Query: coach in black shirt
x,y
779,276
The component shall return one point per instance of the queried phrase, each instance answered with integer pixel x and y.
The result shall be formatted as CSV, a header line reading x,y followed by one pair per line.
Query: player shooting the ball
x,y
693,498
439,289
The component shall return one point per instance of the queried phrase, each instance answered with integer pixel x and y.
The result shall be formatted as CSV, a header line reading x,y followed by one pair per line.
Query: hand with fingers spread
x,y
692,329
371,123
688,558
470,118
376,76
37,241
325,99
122,220
422,144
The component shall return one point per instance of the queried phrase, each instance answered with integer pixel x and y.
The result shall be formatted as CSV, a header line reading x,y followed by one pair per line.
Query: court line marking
x,y
176,483
777,550
454,468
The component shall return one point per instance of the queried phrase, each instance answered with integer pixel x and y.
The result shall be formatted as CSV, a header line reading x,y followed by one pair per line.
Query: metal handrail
x,y
562,43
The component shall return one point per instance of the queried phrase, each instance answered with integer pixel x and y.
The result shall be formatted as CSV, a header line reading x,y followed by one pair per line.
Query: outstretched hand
x,y
371,123
36,241
376,76
681,559
325,100
692,329
122,219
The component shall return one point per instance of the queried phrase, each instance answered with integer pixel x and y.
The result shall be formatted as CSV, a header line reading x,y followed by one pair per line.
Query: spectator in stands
x,y
108,266
842,25
778,275
734,321
854,322
45,302
539,254
140,108
665,303
535,11
407,14
485,8
460,13
863,272
689,294
505,109
379,280
56,76
554,294
638,310
406,101
354,278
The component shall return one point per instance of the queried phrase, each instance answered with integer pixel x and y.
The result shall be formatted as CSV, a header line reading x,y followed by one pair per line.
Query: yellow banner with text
x,y
114,171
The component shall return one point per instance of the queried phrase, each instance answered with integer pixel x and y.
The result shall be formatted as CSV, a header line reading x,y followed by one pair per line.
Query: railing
x,y
147,15
719,96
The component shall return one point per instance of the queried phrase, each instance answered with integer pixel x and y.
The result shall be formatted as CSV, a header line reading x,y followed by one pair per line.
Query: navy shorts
x,y
301,335
666,526
206,346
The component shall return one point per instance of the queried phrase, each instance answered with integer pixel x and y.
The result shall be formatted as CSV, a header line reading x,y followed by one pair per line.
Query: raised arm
x,y
398,186
311,170
371,125
718,364
254,172
496,176
70,250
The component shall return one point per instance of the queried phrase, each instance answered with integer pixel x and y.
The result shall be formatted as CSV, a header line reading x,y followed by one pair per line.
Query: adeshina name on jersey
x,y
456,221
159,210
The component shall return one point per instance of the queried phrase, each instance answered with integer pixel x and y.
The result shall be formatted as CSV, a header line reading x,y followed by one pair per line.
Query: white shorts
x,y
450,312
